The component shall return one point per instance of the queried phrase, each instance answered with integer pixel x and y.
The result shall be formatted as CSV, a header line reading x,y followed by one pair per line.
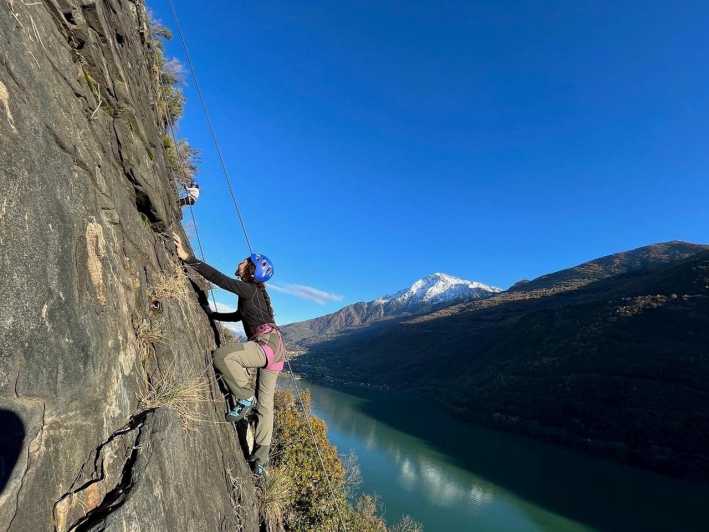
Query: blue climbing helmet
x,y
264,267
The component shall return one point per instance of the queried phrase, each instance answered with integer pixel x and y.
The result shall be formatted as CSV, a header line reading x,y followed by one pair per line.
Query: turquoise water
x,y
452,476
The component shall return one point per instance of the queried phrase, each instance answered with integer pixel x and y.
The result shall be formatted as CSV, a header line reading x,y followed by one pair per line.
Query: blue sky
x,y
372,143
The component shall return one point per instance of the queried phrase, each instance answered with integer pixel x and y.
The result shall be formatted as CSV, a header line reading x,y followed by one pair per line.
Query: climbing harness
x,y
269,337
267,268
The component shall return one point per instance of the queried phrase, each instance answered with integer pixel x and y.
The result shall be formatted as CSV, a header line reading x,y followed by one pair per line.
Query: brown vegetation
x,y
181,158
304,495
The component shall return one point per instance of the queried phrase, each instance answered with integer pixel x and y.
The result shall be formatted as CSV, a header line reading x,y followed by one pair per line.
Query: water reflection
x,y
472,479
419,468
408,474
444,490
411,477
480,495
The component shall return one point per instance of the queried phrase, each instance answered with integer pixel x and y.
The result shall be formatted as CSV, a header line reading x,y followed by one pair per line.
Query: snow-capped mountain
x,y
438,288
432,291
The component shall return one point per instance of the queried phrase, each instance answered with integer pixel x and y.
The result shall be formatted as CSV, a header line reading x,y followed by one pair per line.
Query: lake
x,y
450,475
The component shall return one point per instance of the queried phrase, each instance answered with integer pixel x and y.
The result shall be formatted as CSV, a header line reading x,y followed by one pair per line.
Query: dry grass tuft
x,y
183,394
172,284
148,334
235,495
276,492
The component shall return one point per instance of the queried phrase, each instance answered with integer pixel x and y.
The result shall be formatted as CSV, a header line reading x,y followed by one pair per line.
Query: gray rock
x,y
85,216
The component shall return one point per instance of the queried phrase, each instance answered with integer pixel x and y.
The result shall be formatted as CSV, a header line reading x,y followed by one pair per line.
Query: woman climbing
x,y
264,351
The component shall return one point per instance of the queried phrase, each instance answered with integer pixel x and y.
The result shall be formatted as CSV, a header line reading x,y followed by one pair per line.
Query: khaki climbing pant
x,y
238,363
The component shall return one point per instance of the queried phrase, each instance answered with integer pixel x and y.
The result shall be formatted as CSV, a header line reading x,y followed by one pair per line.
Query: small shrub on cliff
x,y
275,496
180,157
181,160
318,499
365,517
157,29
406,524
166,76
311,502
172,103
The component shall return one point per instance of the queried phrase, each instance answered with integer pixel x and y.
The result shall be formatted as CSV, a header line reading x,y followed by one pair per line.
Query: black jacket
x,y
252,308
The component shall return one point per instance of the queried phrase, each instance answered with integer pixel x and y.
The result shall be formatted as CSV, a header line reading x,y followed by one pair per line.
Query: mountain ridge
x,y
431,291
611,359
569,279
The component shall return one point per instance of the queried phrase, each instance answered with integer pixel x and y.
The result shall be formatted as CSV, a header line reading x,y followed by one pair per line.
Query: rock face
x,y
98,324
611,356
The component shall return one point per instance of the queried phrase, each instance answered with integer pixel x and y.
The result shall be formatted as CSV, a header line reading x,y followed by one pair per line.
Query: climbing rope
x,y
210,125
240,217
182,163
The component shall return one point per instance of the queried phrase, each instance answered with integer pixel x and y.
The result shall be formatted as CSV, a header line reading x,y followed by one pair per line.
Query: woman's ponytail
x,y
267,299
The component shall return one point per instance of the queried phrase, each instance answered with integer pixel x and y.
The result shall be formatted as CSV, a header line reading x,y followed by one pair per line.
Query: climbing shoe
x,y
242,409
259,470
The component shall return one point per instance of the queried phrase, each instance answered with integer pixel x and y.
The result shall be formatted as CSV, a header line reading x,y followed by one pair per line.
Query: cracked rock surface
x,y
85,217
